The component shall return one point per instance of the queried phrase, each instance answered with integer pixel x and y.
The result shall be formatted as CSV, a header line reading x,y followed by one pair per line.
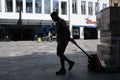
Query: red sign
x,y
89,21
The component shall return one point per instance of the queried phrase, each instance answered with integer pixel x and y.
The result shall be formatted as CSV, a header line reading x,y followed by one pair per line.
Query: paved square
x,y
29,60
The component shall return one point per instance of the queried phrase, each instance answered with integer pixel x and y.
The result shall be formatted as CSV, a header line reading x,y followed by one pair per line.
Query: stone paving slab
x,y
29,60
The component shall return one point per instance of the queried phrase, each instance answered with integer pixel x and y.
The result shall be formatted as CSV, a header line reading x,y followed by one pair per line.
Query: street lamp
x,y
20,12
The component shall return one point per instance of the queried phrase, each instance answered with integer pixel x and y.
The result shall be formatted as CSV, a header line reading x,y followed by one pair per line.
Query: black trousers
x,y
60,52
61,46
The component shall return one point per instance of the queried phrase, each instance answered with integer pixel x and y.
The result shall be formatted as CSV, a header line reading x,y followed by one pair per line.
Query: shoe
x,y
61,71
71,64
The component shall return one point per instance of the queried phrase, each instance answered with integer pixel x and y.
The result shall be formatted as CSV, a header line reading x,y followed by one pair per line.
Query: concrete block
x,y
105,40
105,33
115,60
103,51
107,17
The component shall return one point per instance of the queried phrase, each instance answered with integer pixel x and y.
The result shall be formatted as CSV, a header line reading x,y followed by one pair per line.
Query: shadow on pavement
x,y
43,65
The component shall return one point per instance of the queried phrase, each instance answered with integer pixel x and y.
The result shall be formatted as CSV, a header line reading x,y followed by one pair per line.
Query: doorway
x,y
90,33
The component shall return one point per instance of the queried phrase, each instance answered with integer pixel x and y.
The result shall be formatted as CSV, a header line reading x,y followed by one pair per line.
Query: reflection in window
x,y
104,6
38,6
63,7
19,4
83,7
96,8
90,8
56,6
74,6
9,6
29,6
47,6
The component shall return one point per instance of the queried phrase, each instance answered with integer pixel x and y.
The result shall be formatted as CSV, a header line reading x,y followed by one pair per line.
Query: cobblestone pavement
x,y
29,60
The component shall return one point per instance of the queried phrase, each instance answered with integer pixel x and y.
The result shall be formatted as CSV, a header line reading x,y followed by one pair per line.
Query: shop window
x,y
63,7
9,6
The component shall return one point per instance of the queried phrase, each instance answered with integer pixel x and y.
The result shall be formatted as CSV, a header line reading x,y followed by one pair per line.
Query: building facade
x,y
29,19
114,3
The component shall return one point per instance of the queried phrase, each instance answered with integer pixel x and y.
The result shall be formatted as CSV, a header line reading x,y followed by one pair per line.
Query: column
x,y
43,7
3,5
24,6
81,32
69,15
60,7
14,6
0,6
33,6
98,34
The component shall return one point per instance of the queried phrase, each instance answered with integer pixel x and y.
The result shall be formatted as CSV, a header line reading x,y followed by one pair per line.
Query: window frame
x,y
97,8
64,9
19,5
90,8
56,6
10,8
83,7
47,8
29,6
104,5
74,7
38,9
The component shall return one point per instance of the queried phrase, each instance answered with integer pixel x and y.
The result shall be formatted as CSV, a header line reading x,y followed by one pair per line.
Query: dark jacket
x,y
63,33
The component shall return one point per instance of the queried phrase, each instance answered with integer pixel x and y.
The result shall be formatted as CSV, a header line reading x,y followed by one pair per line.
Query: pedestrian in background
x,y
63,37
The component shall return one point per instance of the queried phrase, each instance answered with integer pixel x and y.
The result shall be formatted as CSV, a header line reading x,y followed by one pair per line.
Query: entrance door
x,y
90,33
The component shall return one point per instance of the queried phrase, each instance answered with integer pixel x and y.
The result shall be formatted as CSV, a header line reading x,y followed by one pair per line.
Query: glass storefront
x,y
25,32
